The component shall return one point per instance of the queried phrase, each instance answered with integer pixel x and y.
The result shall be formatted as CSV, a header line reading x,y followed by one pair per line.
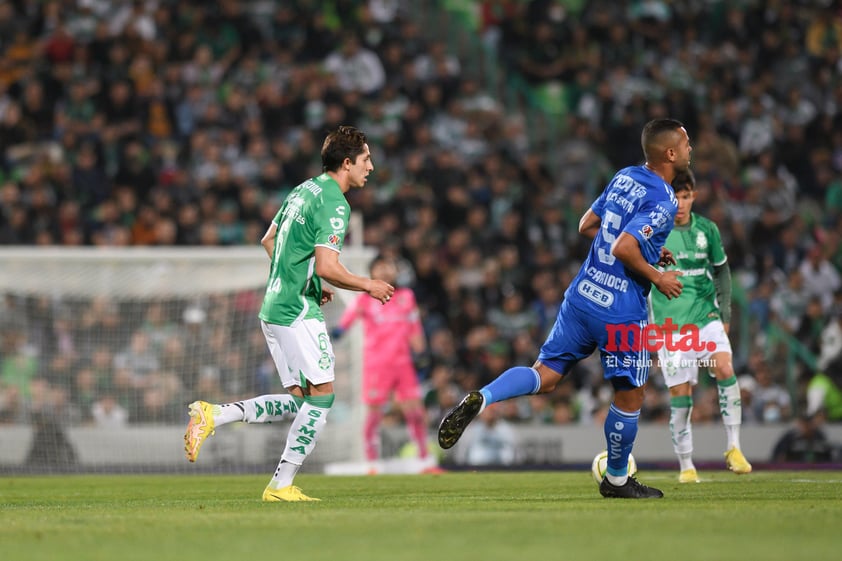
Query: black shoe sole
x,y
455,422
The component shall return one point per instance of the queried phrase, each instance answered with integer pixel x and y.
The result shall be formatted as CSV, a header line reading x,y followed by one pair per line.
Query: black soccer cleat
x,y
455,422
633,489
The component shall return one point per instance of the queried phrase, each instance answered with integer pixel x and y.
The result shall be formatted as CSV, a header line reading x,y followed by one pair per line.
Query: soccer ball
x,y
600,465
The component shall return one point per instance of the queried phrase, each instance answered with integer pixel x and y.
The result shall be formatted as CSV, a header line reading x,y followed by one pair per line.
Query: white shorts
x,y
679,367
301,351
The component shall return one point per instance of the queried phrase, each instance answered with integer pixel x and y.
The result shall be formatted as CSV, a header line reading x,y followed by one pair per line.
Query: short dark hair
x,y
381,258
654,130
345,142
684,181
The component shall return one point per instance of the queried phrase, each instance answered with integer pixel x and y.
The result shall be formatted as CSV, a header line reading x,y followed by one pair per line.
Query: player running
x,y
706,304
629,224
303,243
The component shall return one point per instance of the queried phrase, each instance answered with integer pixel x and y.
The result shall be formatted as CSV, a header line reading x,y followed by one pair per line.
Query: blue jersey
x,y
639,202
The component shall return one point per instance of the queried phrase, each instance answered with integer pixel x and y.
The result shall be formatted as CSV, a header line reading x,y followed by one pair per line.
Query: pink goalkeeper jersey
x,y
387,331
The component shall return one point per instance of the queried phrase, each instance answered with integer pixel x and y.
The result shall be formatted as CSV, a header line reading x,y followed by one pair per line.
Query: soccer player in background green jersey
x,y
303,243
706,304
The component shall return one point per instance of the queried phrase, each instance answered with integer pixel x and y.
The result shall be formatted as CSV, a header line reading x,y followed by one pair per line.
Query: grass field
x,y
455,516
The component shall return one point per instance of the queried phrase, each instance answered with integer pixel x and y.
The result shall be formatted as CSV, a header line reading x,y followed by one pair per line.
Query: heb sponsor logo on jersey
x,y
601,287
669,335
595,294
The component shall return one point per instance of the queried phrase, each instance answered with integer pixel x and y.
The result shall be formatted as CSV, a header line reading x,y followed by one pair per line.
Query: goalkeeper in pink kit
x,y
393,339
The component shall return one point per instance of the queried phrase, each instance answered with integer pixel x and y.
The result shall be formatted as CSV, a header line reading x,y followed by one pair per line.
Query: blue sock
x,y
514,382
620,430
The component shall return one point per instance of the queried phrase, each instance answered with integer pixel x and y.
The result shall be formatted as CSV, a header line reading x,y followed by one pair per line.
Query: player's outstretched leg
x,y
206,417
514,382
458,419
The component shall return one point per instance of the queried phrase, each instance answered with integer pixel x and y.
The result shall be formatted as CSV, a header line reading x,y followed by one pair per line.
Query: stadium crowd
x,y
160,123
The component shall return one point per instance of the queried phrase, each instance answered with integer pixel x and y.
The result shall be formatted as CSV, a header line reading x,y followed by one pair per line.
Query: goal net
x,y
102,349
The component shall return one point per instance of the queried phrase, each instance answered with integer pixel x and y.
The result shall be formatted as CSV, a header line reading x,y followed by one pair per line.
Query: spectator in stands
x,y
771,401
19,365
440,393
806,442
789,303
821,278
94,378
824,394
491,441
135,368
356,68
106,411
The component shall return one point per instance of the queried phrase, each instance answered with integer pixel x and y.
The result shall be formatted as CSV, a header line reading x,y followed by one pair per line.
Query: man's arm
x,y
268,239
333,271
589,224
627,250
722,282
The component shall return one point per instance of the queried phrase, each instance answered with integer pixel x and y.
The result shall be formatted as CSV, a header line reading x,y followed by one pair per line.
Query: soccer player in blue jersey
x,y
605,305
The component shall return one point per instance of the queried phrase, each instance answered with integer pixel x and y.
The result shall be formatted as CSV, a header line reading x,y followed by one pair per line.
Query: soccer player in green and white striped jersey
x,y
704,306
303,243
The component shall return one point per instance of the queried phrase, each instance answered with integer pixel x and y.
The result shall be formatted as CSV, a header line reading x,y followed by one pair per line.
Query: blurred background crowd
x,y
159,123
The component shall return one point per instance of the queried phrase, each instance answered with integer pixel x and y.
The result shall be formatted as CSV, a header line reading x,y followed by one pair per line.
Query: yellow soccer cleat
x,y
200,427
688,476
288,494
736,462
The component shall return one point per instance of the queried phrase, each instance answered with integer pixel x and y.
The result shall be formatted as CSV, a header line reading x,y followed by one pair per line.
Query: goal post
x,y
101,350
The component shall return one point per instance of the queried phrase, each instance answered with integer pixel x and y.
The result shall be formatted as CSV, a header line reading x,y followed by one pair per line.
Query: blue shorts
x,y
576,334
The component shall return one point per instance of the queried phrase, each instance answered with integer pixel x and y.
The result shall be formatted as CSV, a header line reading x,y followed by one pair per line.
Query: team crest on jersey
x,y
701,240
647,231
333,240
324,361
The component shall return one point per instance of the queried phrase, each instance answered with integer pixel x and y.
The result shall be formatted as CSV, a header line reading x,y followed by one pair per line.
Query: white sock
x,y
685,462
263,409
227,413
301,440
617,480
271,408
731,409
733,433
284,475
681,430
